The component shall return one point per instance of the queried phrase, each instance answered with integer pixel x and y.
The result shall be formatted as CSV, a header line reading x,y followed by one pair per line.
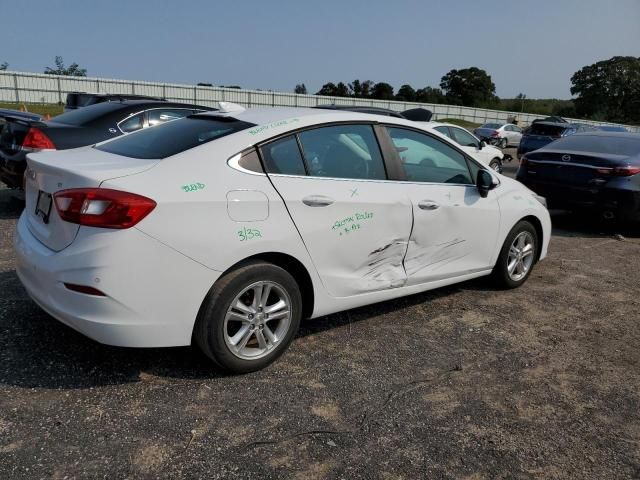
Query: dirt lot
x,y
462,382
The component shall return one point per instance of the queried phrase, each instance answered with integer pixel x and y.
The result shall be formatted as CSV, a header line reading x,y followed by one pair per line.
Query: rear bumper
x,y
12,170
153,293
623,202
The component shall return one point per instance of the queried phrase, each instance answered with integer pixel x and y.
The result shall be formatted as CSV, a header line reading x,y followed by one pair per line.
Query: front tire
x,y
249,317
517,256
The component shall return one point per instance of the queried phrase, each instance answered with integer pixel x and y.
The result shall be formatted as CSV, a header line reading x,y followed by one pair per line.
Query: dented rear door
x,y
355,229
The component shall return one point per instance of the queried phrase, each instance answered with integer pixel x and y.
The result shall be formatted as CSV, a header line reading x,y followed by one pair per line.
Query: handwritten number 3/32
x,y
249,234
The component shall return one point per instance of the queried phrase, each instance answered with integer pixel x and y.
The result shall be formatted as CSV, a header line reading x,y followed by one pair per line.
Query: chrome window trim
x,y
573,164
234,162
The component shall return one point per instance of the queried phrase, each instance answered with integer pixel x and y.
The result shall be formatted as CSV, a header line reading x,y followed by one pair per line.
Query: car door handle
x,y
317,201
428,205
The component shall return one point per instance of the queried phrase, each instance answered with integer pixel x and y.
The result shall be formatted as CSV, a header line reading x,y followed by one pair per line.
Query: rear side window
x,y
161,115
283,156
343,151
173,137
463,138
132,124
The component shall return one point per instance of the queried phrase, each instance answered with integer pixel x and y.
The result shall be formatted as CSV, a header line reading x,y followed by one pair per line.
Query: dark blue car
x,y
541,133
599,171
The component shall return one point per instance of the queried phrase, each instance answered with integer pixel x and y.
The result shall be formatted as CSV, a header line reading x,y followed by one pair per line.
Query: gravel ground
x,y
462,382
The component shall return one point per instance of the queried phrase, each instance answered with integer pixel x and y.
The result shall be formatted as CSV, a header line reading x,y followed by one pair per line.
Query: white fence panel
x,y
21,87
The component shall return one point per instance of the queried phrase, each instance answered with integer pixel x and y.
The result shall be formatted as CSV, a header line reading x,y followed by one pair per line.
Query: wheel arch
x,y
292,265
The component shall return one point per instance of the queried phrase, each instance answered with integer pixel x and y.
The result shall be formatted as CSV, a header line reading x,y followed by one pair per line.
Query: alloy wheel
x,y
520,257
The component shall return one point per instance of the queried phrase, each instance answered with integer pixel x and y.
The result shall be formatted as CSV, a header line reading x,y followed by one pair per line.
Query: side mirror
x,y
484,183
482,144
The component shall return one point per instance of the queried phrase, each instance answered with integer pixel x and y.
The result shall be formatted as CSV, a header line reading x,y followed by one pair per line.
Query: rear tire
x,y
496,165
517,256
249,317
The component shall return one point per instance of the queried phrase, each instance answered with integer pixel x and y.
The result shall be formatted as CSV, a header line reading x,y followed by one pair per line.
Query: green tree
x,y
382,91
608,90
430,95
361,89
72,70
471,87
406,93
301,88
333,90
4,66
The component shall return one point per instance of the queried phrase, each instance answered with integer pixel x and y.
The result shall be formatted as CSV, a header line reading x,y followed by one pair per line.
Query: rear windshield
x,y
174,137
491,125
607,144
85,115
548,130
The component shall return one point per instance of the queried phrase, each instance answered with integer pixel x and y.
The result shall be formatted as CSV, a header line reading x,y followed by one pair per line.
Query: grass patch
x,y
40,108
460,123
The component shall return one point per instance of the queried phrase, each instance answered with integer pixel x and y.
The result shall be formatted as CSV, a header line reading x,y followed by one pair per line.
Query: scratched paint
x,y
434,257
383,267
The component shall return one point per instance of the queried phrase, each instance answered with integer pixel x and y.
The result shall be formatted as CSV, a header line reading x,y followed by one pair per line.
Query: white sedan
x,y
478,149
230,227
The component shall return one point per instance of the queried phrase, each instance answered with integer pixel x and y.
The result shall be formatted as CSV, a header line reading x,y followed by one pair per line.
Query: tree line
x,y
608,90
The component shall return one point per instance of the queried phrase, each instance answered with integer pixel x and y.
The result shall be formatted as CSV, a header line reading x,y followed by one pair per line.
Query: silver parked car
x,y
501,134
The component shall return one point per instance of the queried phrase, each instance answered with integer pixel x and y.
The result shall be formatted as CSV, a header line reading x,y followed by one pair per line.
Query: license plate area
x,y
43,206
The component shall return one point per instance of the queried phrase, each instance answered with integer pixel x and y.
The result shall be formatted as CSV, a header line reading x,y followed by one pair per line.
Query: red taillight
x,y
619,171
626,171
523,161
102,207
37,140
495,134
84,289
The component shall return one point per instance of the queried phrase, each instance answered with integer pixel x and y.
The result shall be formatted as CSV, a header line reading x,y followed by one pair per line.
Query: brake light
x,y
524,161
35,139
494,134
626,171
102,207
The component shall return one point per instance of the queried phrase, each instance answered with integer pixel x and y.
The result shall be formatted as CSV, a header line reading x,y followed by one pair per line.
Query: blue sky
x,y
531,46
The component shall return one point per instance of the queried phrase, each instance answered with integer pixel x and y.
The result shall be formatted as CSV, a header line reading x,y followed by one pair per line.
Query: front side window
x,y
464,138
283,156
427,159
343,151
132,124
157,115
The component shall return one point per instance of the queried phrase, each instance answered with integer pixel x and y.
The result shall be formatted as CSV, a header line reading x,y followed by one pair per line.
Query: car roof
x,y
606,134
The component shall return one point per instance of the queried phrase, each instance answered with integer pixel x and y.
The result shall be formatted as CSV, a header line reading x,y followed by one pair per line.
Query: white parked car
x,y
230,227
502,134
478,149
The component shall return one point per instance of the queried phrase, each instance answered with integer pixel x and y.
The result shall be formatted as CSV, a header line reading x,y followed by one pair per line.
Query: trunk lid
x,y
575,169
484,132
50,172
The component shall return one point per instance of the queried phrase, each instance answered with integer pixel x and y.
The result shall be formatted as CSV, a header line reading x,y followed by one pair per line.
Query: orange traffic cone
x,y
22,108
47,116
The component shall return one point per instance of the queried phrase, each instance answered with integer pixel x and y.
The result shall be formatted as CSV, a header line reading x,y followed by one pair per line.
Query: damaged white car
x,y
229,227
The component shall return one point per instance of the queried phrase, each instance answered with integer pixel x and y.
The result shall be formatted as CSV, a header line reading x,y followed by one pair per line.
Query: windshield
x,y
607,144
173,137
